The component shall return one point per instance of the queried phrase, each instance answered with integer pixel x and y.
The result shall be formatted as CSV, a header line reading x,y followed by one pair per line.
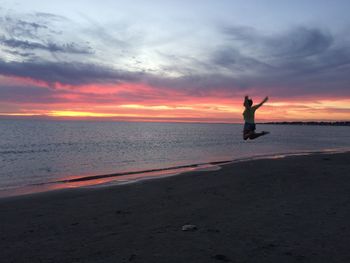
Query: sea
x,y
41,155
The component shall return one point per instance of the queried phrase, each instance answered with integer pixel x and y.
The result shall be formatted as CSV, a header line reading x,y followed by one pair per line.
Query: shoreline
x,y
293,209
110,180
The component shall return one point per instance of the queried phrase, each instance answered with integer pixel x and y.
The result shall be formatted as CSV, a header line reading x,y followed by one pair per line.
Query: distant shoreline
x,y
319,123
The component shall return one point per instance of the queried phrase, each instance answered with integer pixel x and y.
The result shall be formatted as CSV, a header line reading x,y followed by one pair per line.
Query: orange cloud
x,y
139,101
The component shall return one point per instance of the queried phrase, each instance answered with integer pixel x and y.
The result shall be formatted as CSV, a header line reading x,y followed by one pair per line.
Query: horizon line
x,y
157,120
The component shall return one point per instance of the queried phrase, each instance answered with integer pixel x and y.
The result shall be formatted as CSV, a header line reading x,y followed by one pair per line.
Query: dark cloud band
x,y
66,73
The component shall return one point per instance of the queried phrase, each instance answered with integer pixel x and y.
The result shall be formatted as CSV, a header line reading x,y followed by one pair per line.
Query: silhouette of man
x,y
249,119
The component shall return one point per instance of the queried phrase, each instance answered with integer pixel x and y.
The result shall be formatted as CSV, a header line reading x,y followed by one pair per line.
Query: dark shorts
x,y
249,127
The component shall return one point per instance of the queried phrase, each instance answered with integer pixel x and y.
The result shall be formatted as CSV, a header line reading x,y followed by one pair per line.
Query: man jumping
x,y
249,122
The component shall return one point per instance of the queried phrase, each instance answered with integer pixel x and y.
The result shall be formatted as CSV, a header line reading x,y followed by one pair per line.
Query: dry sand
x,y
295,209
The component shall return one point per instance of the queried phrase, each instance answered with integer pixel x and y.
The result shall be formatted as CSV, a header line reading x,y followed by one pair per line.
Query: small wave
x,y
136,176
22,151
196,165
103,176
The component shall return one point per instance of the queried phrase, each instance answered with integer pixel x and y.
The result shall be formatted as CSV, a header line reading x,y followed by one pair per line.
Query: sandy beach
x,y
295,209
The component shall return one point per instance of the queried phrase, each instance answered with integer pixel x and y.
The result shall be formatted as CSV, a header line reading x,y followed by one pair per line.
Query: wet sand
x,y
295,209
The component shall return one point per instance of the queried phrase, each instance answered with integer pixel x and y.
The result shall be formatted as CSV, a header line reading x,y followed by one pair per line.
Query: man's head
x,y
248,103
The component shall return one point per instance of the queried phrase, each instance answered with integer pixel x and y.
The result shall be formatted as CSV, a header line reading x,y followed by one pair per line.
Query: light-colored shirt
x,y
249,114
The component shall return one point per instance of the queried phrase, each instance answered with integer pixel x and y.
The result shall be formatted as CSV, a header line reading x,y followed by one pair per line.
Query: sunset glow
x,y
336,110
56,64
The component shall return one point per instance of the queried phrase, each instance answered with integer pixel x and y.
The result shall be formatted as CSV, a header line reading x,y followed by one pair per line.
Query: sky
x,y
184,60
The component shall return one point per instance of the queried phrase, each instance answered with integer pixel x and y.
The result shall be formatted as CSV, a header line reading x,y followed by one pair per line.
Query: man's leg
x,y
247,134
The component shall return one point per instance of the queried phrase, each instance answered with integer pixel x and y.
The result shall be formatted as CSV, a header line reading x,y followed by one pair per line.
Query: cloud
x,y
51,47
296,42
50,16
28,94
298,51
234,60
72,73
20,53
297,62
19,27
38,33
299,42
301,60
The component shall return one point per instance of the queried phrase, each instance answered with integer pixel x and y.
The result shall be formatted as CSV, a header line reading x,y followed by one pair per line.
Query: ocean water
x,y
37,152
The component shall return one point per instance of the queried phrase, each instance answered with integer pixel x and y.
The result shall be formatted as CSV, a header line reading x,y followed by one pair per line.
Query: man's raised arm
x,y
246,97
261,103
